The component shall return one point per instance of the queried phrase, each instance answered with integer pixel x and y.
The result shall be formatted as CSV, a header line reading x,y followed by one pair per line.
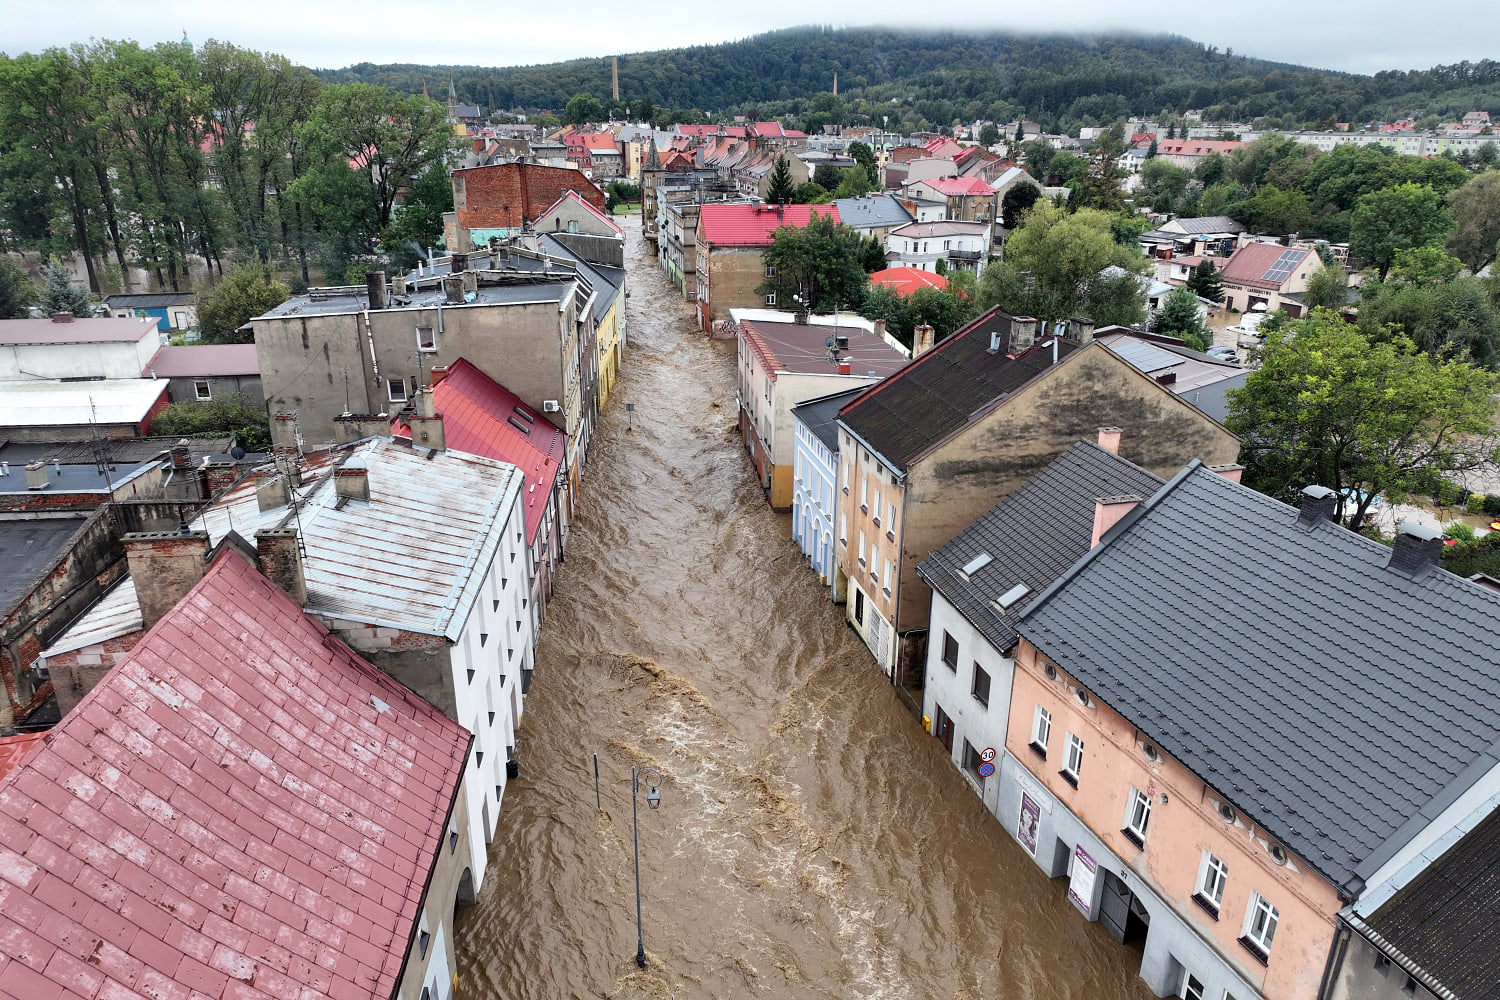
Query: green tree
x,y
819,264
60,295
1163,185
1204,281
1016,202
1179,317
582,109
853,182
233,413
827,176
1055,260
1427,302
1397,218
989,135
244,293
865,157
884,302
1273,210
779,190
16,291
1037,155
810,193
1476,213
418,223
1327,287
1330,407
872,255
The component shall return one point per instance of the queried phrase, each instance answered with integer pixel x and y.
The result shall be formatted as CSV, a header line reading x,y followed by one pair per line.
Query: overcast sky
x,y
1360,37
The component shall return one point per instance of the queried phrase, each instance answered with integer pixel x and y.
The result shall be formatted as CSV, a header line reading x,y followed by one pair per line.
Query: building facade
x,y
815,481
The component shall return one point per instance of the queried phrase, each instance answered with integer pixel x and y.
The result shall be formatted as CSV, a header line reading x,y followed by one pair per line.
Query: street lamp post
x,y
652,777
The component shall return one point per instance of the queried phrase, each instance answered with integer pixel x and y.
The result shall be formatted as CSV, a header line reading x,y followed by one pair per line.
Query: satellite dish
x,y
236,453
828,343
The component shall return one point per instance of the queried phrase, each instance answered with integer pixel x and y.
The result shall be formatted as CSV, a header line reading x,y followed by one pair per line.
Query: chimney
x,y
478,145
923,343
460,263
36,475
1107,513
1022,333
353,481
1109,439
270,489
1417,550
1081,329
279,557
284,430
182,457
286,463
845,367
880,328
398,285
1318,504
375,285
1229,472
470,281
453,289
358,426
165,565
62,317
436,374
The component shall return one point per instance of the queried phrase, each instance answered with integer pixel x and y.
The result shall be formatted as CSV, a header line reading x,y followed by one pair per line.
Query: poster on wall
x,y
1081,883
1031,814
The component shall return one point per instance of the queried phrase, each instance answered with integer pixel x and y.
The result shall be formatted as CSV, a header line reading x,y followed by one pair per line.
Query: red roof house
x,y
243,808
730,241
15,749
906,280
1266,275
752,225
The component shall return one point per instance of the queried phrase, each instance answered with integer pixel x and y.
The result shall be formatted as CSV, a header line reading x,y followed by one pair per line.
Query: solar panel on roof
x,y
1145,357
1284,265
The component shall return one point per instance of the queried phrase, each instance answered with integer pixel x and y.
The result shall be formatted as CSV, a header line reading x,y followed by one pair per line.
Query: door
x,y
942,727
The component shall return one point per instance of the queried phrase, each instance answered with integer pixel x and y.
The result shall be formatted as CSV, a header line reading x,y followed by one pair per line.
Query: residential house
x,y
482,417
782,363
986,575
1266,276
814,480
413,556
496,199
905,281
599,260
1215,236
965,199
1234,850
203,372
347,350
1009,178
872,215
730,240
66,347
960,246
1188,153
39,411
174,311
1199,378
963,425
243,806
572,213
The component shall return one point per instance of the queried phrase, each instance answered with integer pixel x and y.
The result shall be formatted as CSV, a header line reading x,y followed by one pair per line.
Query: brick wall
x,y
508,194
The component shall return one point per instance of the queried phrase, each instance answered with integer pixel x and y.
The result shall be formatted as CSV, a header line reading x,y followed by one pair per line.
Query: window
x,y
179,319
1041,731
202,390
770,271
843,529
426,340
1212,874
423,940
844,473
875,506
981,688
1137,817
972,760
861,548
770,298
1192,989
950,651
947,244
864,495
395,389
885,583
1260,926
1073,760
890,522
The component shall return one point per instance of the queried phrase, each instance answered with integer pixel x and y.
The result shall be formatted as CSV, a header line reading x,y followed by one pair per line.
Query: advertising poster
x,y
1081,884
1031,813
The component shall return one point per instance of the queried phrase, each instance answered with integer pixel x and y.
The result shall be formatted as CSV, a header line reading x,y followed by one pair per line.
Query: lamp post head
x,y
653,797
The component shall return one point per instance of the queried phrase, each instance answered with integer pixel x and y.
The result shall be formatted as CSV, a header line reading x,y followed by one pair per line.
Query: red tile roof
x,y
241,808
480,417
953,187
906,280
943,146
1251,264
14,749
1198,147
752,225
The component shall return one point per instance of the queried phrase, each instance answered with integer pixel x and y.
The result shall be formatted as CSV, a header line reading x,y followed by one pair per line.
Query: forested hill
x,y
943,76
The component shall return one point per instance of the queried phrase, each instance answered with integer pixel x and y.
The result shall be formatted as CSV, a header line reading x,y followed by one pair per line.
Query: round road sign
x,y
986,769
987,754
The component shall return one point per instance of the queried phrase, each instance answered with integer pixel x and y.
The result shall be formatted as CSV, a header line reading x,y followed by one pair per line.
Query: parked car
x,y
1223,354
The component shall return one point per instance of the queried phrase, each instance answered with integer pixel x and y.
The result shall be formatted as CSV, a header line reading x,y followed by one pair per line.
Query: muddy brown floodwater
x,y
812,841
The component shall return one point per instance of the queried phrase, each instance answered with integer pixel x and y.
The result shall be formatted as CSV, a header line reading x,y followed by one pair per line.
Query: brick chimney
x,y
1109,439
284,430
880,328
352,479
922,340
280,560
1108,511
453,289
459,263
846,366
436,374
165,565
349,427
36,475
427,424
1229,472
1318,504
62,317
375,287
1417,550
182,456
1022,333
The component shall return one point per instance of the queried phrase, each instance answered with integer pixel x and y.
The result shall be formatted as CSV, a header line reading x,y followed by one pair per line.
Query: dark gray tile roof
x,y
821,415
1327,697
148,300
939,392
1032,537
869,211
28,547
1447,919
1214,399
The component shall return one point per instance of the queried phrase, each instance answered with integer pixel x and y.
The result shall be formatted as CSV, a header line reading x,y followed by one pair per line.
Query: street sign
x,y
987,755
986,769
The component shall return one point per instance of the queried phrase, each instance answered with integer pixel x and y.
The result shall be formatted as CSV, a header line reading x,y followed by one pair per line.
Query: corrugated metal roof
x,y
65,404
752,225
90,330
117,613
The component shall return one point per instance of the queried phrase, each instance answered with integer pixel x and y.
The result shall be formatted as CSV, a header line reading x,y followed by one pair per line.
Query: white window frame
x,y
203,390
843,528
1137,814
390,389
770,271
885,582
1073,756
430,345
861,548
1213,875
844,474
890,521
864,494
770,298
1260,911
1041,729
1192,987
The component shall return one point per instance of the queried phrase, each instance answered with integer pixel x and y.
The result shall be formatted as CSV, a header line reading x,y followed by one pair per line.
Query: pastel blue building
x,y
815,460
175,312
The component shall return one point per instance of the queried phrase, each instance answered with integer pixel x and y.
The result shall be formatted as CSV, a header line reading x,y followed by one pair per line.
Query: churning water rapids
x,y
812,841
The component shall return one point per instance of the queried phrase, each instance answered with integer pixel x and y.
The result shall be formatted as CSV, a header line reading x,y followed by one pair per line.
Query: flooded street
x,y
811,841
